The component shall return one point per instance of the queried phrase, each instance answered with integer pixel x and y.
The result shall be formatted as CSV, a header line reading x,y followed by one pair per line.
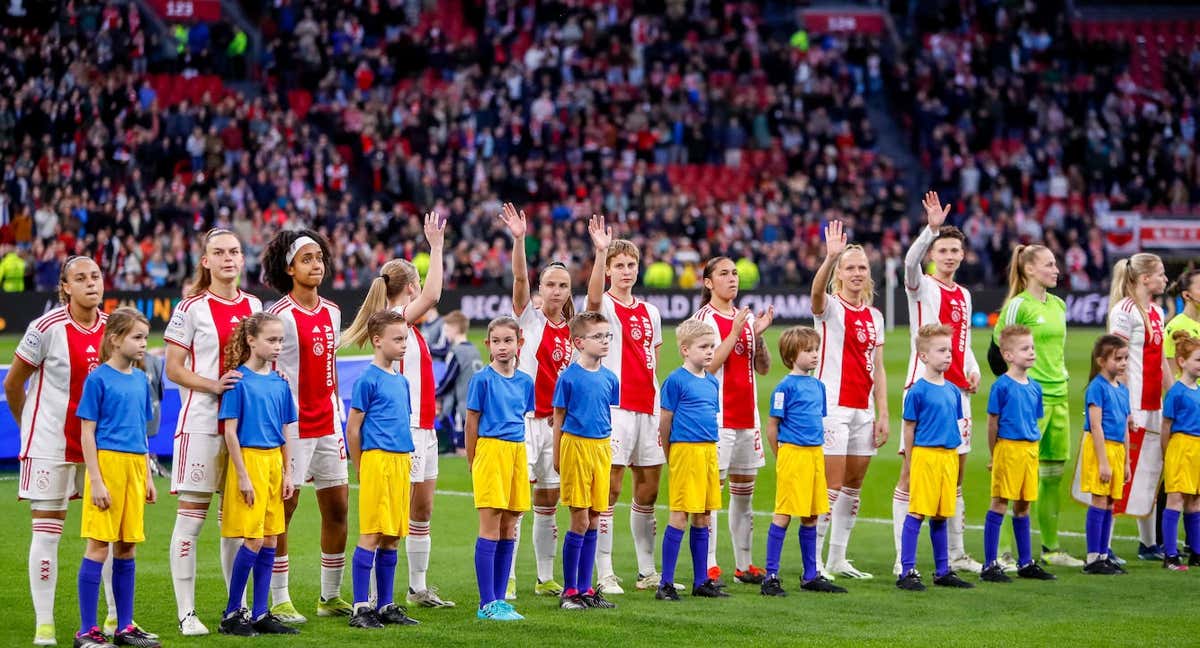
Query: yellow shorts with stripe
x,y
265,517
1089,479
694,476
124,475
500,475
1181,465
384,488
1015,470
585,467
933,481
800,481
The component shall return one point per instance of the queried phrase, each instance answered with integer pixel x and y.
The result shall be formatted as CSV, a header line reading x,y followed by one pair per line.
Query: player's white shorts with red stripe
x,y
424,455
1147,462
635,439
739,452
199,463
50,480
539,452
320,460
964,424
849,432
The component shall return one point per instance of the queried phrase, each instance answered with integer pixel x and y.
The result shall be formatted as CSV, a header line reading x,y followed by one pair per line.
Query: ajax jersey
x,y
545,352
417,367
1144,375
637,334
932,302
310,341
739,399
849,337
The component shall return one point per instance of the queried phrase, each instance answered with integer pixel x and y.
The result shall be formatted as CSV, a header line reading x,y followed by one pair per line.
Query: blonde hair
x,y
1185,345
622,246
1126,273
691,330
378,322
457,319
394,278
1021,256
868,292
237,350
796,340
1010,333
583,322
926,333
568,307
120,323
203,278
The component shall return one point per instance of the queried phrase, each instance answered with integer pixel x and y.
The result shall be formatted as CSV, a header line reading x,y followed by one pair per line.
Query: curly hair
x,y
275,262
237,350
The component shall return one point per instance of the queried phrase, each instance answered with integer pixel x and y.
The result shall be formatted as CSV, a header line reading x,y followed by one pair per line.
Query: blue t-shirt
x,y
1018,406
799,404
120,405
1113,401
382,397
1182,406
695,403
587,397
262,405
501,402
936,409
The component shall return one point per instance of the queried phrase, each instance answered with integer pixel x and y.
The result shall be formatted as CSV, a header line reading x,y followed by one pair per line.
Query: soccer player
x,y
1187,287
1181,445
741,354
1014,406
381,449
852,369
398,287
688,428
258,477
583,397
932,409
796,434
295,263
113,411
545,353
1032,272
1105,456
637,328
936,299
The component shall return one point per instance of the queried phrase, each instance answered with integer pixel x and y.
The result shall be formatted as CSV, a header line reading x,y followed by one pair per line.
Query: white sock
x,y
188,523
1092,557
110,600
642,525
43,567
604,544
545,541
332,566
899,512
512,571
843,515
712,539
1147,529
957,527
229,552
279,581
823,522
741,522
417,546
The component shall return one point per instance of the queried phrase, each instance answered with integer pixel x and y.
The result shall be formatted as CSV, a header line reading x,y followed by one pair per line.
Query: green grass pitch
x,y
1149,605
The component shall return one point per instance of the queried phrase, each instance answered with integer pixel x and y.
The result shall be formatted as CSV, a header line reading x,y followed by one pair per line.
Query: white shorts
x,y
964,424
199,463
739,452
50,480
635,439
539,450
424,455
849,432
1152,421
320,460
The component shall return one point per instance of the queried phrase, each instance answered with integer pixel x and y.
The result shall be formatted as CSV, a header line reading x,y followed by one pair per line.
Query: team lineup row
x,y
280,366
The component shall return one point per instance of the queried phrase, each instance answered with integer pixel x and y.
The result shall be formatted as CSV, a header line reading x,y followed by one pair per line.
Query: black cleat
x,y
1117,568
822,584
951,579
1100,567
270,624
752,576
392,614
572,602
594,599
709,589
91,639
911,582
666,592
1034,571
1194,560
237,623
136,637
772,587
366,618
994,573
1174,563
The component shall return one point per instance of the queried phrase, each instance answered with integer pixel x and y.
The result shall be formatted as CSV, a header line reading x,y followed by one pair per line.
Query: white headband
x,y
296,245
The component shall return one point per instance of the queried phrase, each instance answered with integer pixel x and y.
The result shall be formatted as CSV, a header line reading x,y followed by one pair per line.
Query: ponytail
x,y
237,350
394,278
203,278
1022,255
709,268
1183,285
568,307
120,323
1126,273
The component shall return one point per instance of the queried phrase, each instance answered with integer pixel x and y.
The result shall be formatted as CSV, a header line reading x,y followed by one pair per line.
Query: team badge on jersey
x,y
318,349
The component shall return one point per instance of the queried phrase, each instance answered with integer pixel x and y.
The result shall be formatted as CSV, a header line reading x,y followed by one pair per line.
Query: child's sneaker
x,y
571,602
1034,571
1115,565
994,573
822,584
237,623
752,576
92,639
666,592
1194,560
1174,563
951,579
1100,567
595,599
911,582
110,628
495,611
392,614
270,624
772,587
365,618
509,611
135,637
1150,552
548,588
709,589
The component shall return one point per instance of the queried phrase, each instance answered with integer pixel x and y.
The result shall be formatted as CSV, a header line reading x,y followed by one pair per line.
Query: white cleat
x,y
610,585
649,581
965,563
190,626
847,570
1007,562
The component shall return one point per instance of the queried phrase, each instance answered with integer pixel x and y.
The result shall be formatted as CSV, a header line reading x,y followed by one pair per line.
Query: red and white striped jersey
x,y
932,302
63,353
545,352
849,337
417,367
739,397
1144,375
633,355
201,325
310,341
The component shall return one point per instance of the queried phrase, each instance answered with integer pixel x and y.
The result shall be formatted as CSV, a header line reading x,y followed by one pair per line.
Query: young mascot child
x,y
498,398
796,434
1105,463
931,413
688,429
381,448
1181,444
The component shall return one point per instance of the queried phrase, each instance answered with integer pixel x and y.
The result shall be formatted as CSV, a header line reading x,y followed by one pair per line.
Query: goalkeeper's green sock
x,y
1050,474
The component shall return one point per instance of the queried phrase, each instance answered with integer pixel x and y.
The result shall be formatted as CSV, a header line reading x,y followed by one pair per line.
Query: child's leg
x,y
239,573
1021,533
572,545
991,530
485,554
672,540
776,534
123,580
588,551
264,564
89,583
1170,524
808,547
698,544
505,547
1191,521
386,559
1107,528
908,542
939,538
360,567
1095,525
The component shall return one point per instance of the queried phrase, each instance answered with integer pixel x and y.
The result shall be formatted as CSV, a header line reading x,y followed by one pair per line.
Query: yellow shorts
x,y
1090,482
265,517
933,481
694,478
124,476
1181,465
585,466
384,488
800,481
500,475
1015,470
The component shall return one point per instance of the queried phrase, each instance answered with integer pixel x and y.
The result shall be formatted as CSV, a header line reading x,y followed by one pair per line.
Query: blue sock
x,y
1106,532
698,543
941,547
385,576
243,564
1095,520
991,536
587,560
572,544
1191,522
1024,539
908,543
360,573
485,567
123,574
504,556
672,540
776,535
89,593
262,581
1170,532
808,551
